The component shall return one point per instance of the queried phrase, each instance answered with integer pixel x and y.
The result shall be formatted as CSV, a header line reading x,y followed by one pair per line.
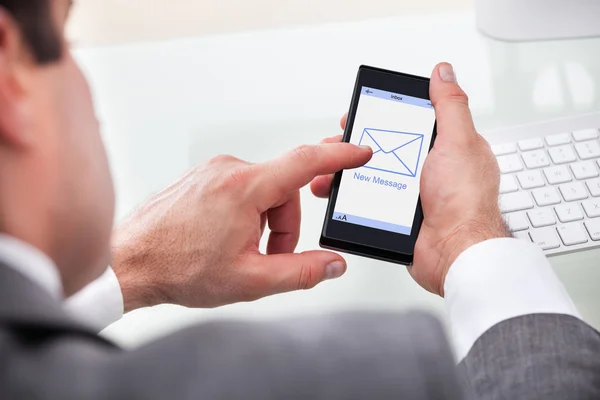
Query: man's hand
x,y
459,186
196,243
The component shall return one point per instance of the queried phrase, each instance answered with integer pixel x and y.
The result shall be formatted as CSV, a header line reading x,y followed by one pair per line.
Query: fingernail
x,y
366,147
447,73
335,270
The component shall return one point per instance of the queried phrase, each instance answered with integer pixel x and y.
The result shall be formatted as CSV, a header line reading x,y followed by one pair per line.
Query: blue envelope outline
x,y
395,142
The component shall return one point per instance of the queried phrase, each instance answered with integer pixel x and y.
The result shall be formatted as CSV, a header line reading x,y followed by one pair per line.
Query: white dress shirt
x,y
489,283
497,280
100,303
97,305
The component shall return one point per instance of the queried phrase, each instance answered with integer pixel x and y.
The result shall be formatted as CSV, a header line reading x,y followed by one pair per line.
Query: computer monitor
x,y
527,20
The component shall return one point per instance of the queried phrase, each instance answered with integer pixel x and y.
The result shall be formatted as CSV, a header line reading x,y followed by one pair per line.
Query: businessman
x,y
517,332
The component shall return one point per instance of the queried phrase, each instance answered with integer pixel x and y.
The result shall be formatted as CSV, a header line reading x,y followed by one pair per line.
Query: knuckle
x,y
276,176
460,96
234,181
228,173
456,96
230,183
480,143
486,150
484,143
221,159
239,175
304,153
306,277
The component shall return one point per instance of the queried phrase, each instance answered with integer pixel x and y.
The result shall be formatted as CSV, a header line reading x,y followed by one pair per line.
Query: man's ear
x,y
15,110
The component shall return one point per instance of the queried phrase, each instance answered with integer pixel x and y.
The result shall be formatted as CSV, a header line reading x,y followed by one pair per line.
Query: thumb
x,y
454,120
290,272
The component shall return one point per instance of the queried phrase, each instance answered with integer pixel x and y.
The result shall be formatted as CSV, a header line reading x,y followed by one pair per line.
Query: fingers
x,y
344,121
333,139
451,105
284,223
290,272
321,185
297,168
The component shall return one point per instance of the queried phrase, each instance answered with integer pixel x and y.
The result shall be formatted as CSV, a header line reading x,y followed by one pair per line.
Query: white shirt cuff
x,y
100,303
497,280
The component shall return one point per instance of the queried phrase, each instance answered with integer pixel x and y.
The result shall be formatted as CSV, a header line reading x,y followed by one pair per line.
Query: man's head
x,y
55,186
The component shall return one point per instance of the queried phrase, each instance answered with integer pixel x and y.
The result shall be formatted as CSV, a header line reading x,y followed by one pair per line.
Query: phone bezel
x,y
362,240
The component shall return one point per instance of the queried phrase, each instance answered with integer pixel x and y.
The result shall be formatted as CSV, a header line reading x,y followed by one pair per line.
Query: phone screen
x,y
384,193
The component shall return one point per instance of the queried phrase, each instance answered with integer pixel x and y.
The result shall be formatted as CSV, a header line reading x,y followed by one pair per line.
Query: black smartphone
x,y
375,211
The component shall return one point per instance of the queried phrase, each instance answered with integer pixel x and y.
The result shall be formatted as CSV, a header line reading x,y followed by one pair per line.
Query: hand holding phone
x,y
375,211
459,187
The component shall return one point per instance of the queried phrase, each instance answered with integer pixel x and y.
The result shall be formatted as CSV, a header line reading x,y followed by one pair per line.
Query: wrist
x,y
466,236
136,284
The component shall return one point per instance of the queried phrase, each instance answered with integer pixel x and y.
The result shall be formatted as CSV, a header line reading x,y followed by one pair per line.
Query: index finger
x,y
298,167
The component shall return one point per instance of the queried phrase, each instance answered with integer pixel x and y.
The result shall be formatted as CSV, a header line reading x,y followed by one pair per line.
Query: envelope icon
x,y
393,151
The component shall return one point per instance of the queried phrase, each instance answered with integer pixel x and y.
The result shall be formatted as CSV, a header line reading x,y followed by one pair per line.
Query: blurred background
x,y
177,82
116,21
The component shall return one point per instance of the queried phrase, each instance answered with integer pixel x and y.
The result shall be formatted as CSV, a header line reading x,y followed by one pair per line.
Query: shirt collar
x,y
32,263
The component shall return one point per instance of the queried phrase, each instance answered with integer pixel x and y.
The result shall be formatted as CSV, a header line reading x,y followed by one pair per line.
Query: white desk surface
x,y
168,105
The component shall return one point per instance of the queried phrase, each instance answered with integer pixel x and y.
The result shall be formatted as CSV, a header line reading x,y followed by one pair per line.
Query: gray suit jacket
x,y
46,355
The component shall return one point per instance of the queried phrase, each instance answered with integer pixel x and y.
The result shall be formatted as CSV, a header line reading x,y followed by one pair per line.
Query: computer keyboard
x,y
550,186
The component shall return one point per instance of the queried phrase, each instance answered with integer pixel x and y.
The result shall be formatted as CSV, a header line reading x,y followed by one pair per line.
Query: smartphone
x,y
375,210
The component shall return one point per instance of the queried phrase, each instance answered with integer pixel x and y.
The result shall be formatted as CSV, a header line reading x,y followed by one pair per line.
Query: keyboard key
x,y
531,144
541,217
510,163
572,234
594,187
531,179
545,238
559,174
569,212
588,150
593,228
508,184
515,202
536,159
504,148
573,191
517,221
592,208
585,134
584,170
546,196
562,154
522,236
557,140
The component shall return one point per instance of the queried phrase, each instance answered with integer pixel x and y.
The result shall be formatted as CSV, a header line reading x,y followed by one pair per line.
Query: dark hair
x,y
34,18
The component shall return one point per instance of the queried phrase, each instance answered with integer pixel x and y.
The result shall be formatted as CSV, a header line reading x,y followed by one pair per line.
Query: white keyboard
x,y
550,184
